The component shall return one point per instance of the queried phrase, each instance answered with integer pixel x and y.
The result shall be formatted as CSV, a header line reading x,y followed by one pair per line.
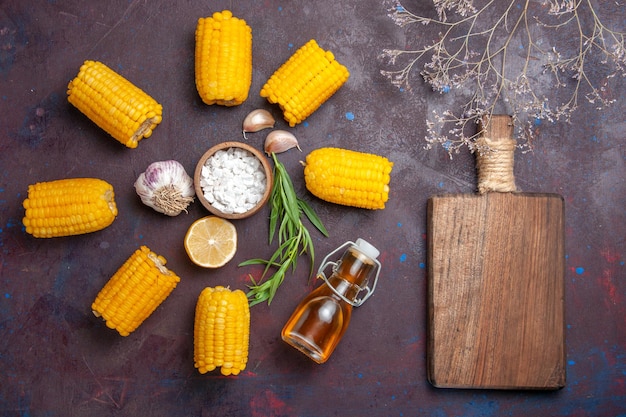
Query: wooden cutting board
x,y
496,267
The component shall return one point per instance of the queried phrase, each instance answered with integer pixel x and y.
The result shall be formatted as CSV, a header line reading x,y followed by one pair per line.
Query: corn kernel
x,y
69,207
133,293
223,59
113,103
348,177
304,82
221,331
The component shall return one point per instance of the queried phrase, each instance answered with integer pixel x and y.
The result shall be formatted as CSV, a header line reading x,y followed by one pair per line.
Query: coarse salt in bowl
x,y
233,180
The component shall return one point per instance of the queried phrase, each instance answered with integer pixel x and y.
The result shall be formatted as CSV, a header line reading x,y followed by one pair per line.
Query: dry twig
x,y
498,55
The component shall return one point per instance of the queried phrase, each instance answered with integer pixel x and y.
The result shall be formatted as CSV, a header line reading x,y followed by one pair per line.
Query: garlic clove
x,y
256,120
278,141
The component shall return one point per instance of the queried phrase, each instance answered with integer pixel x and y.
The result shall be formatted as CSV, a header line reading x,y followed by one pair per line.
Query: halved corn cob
x,y
221,331
304,82
68,207
131,295
113,103
348,177
223,59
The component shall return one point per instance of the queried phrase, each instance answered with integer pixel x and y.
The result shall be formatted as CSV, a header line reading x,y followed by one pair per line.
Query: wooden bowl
x,y
266,168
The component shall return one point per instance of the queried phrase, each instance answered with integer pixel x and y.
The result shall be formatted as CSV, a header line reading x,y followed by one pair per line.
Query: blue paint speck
x,y
422,265
349,115
290,45
537,121
571,362
440,185
403,257
305,124
445,89
280,8
399,224
580,270
7,295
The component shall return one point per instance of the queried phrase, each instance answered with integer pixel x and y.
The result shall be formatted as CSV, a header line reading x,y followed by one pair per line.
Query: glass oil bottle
x,y
320,320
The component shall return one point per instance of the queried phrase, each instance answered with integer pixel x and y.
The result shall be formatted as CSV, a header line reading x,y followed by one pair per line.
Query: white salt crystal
x,y
233,180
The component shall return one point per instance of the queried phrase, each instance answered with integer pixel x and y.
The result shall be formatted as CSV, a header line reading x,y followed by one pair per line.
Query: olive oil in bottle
x,y
320,320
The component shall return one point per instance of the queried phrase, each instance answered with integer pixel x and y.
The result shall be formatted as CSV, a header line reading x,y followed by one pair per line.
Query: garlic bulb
x,y
166,187
256,120
278,141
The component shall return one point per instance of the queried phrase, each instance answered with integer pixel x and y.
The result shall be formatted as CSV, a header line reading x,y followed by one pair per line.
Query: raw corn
x,y
131,295
223,59
304,82
113,103
221,331
348,177
68,207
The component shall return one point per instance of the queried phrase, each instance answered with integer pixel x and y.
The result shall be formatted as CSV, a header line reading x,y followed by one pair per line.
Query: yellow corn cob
x,y
68,207
134,291
348,177
113,103
223,61
221,331
304,82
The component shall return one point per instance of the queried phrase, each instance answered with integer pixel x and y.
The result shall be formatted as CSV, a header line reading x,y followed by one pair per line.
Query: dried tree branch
x,y
499,54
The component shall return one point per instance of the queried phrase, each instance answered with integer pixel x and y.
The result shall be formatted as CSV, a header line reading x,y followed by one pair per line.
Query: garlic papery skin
x,y
166,187
278,141
256,120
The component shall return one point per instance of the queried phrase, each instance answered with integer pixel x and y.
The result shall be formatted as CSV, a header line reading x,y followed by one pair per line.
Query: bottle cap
x,y
367,248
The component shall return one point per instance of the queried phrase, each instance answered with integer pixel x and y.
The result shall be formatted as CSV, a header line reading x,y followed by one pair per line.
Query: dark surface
x,y
57,359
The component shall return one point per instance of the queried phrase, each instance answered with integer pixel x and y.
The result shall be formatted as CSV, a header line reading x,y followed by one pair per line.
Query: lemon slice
x,y
211,241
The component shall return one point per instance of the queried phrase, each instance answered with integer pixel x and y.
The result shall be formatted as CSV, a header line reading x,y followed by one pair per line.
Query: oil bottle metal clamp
x,y
357,302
